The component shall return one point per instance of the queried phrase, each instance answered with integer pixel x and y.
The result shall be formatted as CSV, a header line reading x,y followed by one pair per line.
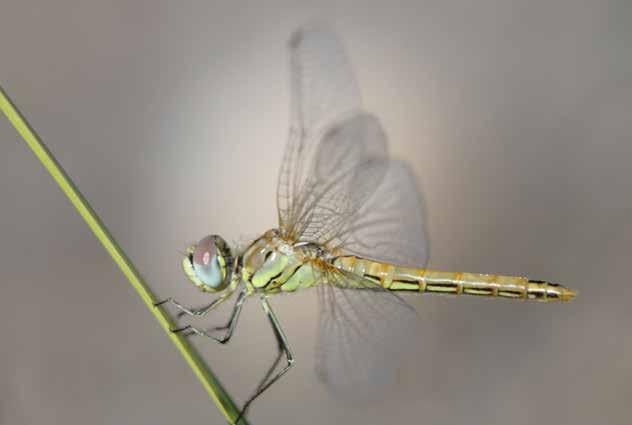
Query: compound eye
x,y
207,261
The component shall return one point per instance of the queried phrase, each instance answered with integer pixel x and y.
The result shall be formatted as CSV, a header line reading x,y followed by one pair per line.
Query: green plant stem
x,y
193,358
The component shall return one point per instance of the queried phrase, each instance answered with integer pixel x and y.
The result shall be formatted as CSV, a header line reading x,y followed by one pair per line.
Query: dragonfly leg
x,y
283,348
191,311
230,326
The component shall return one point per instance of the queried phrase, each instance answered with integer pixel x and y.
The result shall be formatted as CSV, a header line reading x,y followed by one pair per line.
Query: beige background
x,y
171,116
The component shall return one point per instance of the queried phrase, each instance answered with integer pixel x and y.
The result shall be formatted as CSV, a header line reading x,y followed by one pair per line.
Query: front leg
x,y
197,312
230,326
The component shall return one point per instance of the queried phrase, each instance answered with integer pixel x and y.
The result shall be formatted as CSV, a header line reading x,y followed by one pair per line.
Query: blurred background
x,y
515,116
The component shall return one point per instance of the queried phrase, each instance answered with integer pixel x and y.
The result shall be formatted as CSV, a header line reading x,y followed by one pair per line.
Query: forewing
x,y
323,85
330,140
336,184
364,332
390,225
322,89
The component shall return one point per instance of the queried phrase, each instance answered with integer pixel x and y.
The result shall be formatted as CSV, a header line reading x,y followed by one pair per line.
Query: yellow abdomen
x,y
396,278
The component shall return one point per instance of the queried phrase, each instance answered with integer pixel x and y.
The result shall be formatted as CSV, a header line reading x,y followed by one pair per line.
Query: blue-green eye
x,y
208,262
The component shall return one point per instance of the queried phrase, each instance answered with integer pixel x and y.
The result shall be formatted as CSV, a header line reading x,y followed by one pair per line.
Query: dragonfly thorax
x,y
271,262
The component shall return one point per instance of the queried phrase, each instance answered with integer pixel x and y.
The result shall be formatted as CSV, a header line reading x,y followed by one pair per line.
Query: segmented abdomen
x,y
396,278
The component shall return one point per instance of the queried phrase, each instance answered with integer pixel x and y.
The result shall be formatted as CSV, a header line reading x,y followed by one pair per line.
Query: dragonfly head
x,y
208,264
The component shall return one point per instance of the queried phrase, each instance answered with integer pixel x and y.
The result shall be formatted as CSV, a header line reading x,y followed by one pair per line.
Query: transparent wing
x,y
364,332
323,85
326,168
346,169
390,225
322,88
337,185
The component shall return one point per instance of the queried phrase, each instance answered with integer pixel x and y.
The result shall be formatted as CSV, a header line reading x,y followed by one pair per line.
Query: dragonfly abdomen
x,y
397,278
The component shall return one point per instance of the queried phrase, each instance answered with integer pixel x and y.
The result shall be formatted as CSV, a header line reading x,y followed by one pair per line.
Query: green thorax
x,y
271,264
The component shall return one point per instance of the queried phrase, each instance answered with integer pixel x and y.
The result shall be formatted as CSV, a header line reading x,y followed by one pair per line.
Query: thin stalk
x,y
191,355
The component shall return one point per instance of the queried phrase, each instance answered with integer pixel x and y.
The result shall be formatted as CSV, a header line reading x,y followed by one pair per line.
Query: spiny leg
x,y
190,311
232,323
283,347
273,367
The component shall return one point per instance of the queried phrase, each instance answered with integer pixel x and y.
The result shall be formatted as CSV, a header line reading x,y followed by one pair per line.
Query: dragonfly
x,y
350,225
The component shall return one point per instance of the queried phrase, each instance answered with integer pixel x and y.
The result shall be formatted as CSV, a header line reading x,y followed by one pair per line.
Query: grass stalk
x,y
207,378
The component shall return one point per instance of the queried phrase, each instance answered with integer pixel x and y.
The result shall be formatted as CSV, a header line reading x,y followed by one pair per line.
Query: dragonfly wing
x,y
337,185
323,85
364,331
347,168
322,88
330,142
390,225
